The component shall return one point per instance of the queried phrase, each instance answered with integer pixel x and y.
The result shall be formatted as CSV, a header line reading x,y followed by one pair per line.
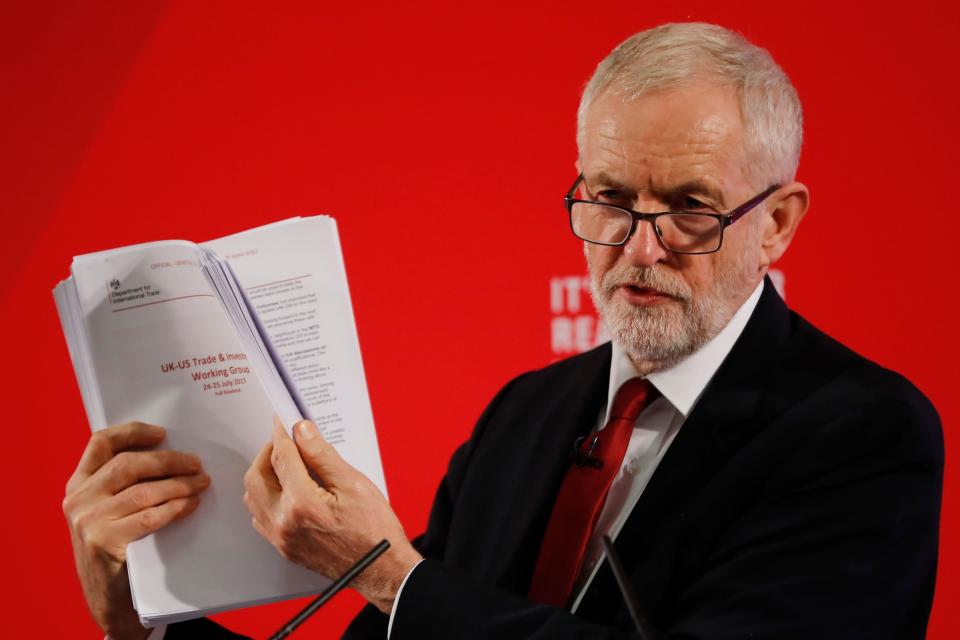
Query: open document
x,y
210,341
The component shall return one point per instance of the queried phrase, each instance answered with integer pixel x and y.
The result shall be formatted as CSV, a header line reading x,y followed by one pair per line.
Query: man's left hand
x,y
326,527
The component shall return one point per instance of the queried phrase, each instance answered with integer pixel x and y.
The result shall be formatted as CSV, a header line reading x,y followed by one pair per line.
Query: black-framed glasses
x,y
687,232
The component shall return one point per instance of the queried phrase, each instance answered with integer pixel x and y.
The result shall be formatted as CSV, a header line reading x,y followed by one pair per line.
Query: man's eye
x,y
689,203
609,195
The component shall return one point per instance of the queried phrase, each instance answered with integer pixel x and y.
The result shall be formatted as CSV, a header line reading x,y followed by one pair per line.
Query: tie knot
x,y
632,397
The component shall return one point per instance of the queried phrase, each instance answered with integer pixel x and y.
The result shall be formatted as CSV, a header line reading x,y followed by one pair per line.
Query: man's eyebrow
x,y
694,187
607,180
691,187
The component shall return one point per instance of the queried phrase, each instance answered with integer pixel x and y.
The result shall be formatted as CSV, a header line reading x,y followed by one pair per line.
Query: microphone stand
x,y
332,590
626,590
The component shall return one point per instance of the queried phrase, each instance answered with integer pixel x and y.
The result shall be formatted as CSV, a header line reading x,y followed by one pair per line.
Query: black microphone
x,y
586,459
332,590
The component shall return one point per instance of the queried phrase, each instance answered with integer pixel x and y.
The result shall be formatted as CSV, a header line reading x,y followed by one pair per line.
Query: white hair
x,y
674,55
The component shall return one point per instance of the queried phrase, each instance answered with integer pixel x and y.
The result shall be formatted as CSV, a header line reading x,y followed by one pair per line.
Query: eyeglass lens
x,y
683,232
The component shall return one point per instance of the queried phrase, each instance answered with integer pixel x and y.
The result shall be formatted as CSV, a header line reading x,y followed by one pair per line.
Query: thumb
x,y
318,454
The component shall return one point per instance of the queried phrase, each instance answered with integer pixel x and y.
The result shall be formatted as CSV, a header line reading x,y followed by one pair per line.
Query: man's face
x,y
668,150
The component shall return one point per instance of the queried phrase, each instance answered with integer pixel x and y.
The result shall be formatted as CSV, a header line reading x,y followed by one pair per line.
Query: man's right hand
x,y
118,493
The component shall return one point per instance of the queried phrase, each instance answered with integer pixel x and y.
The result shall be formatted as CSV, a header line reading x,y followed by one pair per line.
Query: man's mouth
x,y
640,289
639,295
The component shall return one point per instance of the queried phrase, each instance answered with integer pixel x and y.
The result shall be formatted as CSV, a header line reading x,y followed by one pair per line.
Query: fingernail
x,y
306,429
204,479
194,460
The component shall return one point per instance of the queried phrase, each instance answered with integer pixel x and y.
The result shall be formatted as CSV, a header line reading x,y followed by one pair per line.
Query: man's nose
x,y
643,249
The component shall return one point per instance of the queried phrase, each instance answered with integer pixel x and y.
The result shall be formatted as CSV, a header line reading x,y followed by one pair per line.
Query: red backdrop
x,y
441,137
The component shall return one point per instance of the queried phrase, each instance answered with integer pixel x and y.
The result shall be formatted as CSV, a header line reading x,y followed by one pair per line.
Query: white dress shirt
x,y
680,387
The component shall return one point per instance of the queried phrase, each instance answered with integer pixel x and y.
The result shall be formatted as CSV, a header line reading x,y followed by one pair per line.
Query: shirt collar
x,y
683,383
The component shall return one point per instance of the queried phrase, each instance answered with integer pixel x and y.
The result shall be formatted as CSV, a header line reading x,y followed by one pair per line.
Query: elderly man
x,y
759,479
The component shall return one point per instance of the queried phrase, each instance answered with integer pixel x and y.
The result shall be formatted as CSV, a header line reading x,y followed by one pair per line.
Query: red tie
x,y
582,495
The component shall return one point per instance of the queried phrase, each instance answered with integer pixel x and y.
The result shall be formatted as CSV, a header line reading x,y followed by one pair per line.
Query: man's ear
x,y
783,218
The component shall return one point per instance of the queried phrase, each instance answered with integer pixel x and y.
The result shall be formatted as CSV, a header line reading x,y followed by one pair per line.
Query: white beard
x,y
659,336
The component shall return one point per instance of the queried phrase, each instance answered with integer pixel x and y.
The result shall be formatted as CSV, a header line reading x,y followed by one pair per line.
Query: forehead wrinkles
x,y
657,152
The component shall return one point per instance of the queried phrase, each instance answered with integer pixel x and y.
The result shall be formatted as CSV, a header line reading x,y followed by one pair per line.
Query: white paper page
x,y
163,352
68,308
293,275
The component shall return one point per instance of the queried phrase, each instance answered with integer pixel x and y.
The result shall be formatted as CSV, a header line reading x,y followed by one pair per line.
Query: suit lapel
x,y
726,414
534,462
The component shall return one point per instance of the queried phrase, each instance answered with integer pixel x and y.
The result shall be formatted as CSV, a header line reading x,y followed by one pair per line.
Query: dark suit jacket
x,y
800,499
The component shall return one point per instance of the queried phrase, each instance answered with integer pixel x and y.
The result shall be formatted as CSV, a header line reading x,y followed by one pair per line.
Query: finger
x,y
259,528
318,454
106,443
130,467
144,495
261,484
286,461
144,522
262,468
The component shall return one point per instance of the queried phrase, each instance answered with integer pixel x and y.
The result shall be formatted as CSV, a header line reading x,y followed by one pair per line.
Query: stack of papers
x,y
210,341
